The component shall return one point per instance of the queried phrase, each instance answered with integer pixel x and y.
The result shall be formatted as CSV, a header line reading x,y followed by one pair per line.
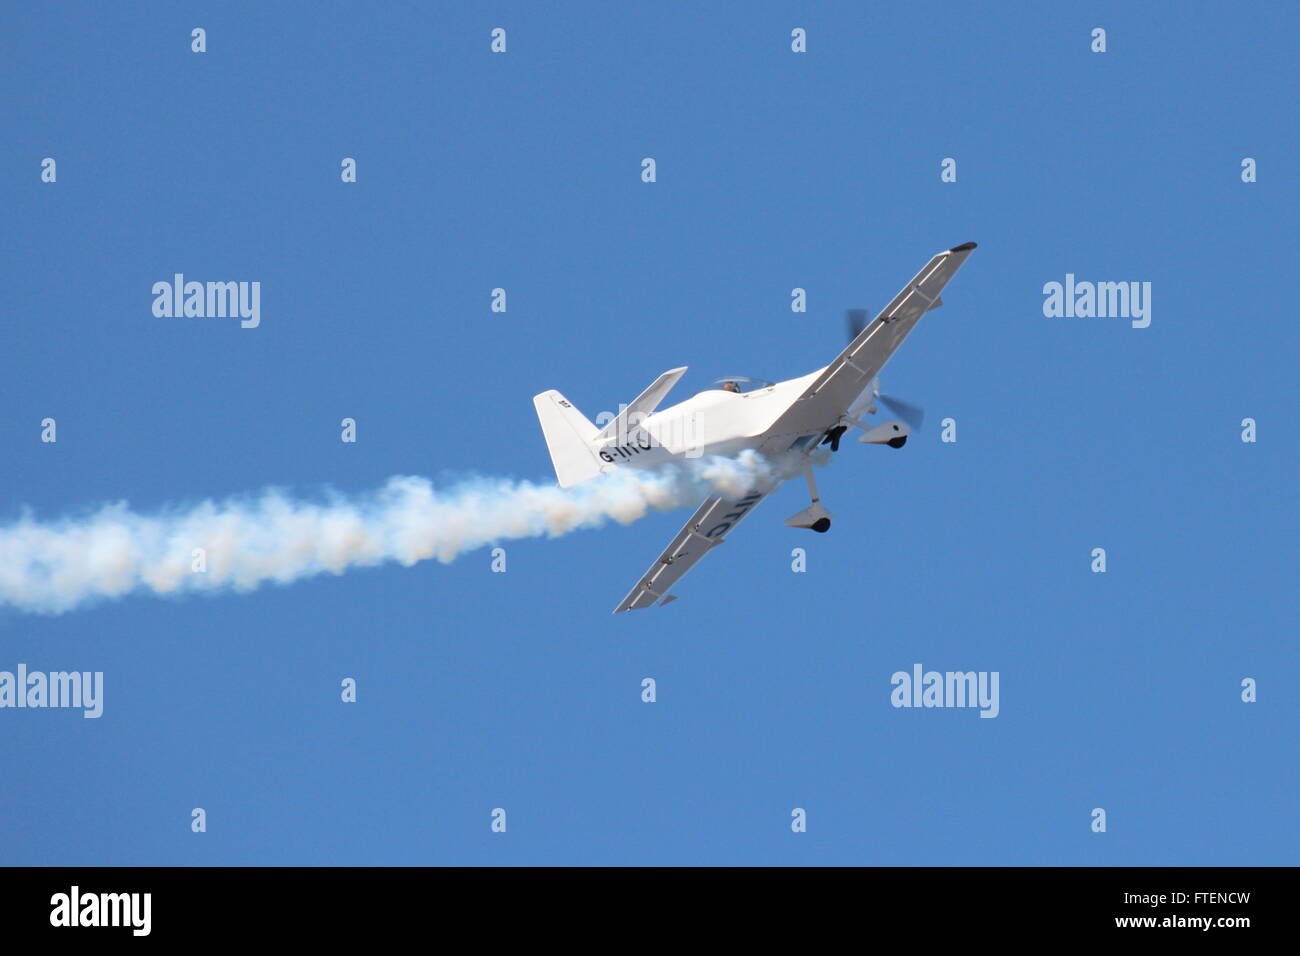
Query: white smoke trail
x,y
247,542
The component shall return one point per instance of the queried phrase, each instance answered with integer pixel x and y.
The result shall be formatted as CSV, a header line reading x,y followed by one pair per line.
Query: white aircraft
x,y
783,421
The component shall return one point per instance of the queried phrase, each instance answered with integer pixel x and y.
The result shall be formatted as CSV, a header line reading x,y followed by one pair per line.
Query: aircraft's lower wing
x,y
705,530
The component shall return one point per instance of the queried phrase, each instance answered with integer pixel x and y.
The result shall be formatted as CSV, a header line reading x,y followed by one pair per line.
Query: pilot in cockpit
x,y
730,387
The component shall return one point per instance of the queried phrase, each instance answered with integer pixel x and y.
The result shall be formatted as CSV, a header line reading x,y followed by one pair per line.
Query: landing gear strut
x,y
814,516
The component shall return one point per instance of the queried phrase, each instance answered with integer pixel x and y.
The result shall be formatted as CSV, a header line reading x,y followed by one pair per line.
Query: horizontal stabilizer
x,y
643,405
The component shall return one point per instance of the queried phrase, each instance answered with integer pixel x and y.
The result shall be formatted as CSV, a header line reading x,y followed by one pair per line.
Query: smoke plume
x,y
243,543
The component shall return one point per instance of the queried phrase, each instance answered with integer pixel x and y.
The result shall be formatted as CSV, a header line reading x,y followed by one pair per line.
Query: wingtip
x,y
964,247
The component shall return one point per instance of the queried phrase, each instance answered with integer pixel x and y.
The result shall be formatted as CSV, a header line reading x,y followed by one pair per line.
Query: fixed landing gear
x,y
893,434
814,516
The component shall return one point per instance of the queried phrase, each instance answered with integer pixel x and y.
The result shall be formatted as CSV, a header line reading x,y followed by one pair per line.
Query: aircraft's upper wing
x,y
853,369
706,529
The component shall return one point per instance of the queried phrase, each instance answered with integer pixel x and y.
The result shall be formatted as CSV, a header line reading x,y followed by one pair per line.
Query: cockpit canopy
x,y
738,383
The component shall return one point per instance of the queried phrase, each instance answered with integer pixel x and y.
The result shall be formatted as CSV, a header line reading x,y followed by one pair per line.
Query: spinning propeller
x,y
914,415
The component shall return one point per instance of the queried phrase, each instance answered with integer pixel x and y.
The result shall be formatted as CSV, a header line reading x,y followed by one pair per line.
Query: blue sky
x,y
775,170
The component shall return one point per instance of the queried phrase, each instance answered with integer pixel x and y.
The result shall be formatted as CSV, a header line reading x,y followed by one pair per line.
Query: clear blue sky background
x,y
521,690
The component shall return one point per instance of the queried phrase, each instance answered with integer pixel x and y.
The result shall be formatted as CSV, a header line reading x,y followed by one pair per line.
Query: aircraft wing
x,y
705,530
849,375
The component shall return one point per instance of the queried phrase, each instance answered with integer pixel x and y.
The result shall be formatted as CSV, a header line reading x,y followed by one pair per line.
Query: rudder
x,y
568,436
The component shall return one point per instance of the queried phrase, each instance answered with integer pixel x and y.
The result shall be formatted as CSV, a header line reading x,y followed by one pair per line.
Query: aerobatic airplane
x,y
782,421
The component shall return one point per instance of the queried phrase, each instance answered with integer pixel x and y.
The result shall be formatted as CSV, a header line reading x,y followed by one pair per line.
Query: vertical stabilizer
x,y
568,436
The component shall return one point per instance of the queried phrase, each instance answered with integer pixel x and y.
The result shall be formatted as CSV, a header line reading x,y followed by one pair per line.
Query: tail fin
x,y
568,436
